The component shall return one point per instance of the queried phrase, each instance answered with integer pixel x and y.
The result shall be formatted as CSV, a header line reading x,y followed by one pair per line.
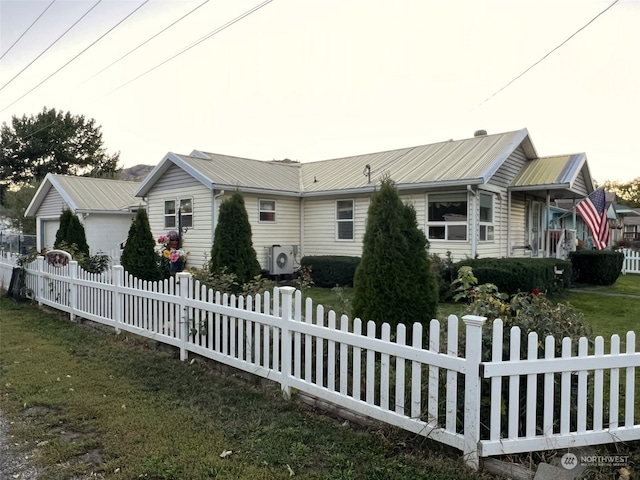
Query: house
x,y
486,196
105,208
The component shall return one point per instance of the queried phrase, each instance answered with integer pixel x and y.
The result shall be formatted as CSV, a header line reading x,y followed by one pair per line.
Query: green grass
x,y
89,401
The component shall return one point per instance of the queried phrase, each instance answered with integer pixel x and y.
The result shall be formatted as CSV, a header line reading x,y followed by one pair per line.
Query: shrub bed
x,y
597,267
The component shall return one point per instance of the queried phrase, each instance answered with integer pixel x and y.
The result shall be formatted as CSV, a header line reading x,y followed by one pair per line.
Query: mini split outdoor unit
x,y
281,260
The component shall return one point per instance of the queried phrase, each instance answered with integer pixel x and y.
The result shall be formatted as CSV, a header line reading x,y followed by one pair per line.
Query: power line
x,y
197,42
145,42
52,44
87,48
29,28
550,52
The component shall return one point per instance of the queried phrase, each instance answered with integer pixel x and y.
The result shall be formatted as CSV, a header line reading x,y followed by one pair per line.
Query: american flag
x,y
593,212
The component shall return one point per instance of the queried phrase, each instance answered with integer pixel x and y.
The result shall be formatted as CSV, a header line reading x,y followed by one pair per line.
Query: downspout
x,y
508,223
547,224
474,216
301,249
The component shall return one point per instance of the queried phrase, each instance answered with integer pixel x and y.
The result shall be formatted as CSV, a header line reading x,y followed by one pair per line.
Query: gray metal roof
x,y
86,194
469,161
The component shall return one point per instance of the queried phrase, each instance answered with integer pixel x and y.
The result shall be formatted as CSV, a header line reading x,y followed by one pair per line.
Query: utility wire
x,y
87,48
51,45
145,42
549,53
197,42
29,28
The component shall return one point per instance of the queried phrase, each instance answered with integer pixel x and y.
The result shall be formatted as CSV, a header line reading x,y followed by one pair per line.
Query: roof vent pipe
x,y
479,133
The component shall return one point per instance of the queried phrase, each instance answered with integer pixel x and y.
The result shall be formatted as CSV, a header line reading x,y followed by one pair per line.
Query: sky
x,y
317,79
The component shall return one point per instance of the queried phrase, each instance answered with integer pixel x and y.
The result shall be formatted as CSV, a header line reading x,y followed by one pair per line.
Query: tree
x,y
75,235
139,257
63,227
393,282
233,247
628,193
52,142
13,204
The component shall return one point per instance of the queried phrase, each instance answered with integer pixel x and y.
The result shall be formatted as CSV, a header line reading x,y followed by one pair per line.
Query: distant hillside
x,y
137,173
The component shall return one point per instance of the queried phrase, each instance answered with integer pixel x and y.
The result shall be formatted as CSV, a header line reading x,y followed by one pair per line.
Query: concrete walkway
x,y
604,294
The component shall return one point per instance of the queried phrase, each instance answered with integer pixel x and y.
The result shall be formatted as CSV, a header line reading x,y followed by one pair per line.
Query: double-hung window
x,y
447,216
185,206
267,211
344,220
486,217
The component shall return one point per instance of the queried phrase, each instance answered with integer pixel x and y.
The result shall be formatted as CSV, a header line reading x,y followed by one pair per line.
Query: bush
x,y
445,272
232,246
513,275
71,232
331,270
597,267
139,257
393,282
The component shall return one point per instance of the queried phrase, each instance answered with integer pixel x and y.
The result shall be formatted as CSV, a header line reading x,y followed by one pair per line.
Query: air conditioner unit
x,y
281,260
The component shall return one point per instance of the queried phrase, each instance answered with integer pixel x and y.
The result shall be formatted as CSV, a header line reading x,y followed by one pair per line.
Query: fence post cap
x,y
475,320
287,290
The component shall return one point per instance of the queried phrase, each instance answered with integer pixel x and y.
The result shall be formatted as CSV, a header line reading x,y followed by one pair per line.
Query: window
x,y
486,217
170,214
267,211
344,219
186,212
447,216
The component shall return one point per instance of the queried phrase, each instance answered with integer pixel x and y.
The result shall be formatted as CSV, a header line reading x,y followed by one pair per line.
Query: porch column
x,y
548,223
508,223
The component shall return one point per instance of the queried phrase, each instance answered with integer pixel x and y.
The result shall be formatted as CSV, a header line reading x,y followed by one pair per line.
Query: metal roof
x,y
86,194
555,173
469,161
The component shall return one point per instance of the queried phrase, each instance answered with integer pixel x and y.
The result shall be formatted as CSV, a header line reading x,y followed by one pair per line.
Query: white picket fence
x,y
631,261
422,381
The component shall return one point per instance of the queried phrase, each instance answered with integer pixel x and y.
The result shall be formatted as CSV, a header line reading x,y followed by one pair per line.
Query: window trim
x,y
446,224
176,206
352,220
487,224
261,210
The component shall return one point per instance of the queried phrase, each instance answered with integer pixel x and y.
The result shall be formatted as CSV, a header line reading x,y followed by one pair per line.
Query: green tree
x,y
233,247
628,193
14,203
394,282
139,257
75,235
63,227
52,142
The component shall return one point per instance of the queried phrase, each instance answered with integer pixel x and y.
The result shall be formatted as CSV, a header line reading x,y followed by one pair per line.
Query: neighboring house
x,y
485,196
105,208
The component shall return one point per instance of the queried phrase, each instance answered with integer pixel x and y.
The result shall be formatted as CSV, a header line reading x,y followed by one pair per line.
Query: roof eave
x,y
162,167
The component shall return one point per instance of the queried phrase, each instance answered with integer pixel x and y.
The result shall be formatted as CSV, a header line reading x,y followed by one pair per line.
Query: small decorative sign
x,y
58,258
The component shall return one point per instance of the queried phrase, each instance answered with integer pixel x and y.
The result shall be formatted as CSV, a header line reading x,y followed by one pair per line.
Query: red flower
x,y
535,291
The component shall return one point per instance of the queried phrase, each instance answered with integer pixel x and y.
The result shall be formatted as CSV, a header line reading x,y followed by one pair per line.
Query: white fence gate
x,y
426,382
631,261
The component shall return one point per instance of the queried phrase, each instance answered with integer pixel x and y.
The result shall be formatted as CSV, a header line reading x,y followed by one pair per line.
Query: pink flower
x,y
163,239
536,291
174,256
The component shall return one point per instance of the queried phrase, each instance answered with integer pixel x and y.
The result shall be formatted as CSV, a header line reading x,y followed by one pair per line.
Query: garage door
x,y
49,229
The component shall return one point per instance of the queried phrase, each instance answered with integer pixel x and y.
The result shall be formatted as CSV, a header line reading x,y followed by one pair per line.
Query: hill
x,y
137,173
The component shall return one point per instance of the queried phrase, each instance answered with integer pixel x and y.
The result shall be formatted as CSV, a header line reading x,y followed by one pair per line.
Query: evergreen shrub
x,y
331,270
139,257
597,267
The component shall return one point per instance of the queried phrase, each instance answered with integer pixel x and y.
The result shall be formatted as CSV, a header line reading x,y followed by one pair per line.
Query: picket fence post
x,y
285,341
73,293
184,283
39,279
117,275
473,357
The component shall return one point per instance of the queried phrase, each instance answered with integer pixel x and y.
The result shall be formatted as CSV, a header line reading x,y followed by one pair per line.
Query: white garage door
x,y
49,229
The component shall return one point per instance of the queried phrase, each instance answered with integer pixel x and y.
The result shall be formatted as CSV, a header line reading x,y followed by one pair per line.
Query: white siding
x,y
285,230
518,226
320,227
509,169
174,184
106,232
48,218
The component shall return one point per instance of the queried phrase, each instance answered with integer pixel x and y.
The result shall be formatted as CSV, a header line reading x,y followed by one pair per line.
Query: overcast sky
x,y
318,79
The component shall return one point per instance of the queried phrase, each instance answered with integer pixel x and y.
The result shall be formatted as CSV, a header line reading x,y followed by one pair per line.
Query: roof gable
x,y
87,194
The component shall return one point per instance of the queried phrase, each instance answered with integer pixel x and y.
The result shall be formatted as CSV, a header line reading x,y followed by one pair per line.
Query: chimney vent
x,y
479,133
